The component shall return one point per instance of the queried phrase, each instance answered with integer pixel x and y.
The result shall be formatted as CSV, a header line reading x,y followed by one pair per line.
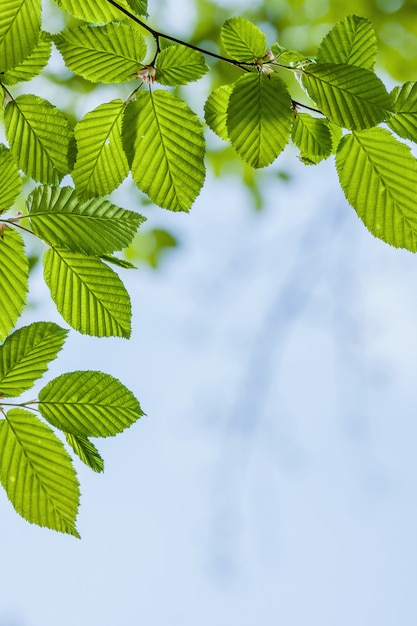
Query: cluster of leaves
x,y
153,134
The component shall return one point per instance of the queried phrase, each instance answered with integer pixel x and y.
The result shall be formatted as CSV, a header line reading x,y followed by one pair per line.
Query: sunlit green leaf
x,y
179,65
101,163
379,177
32,64
350,96
312,136
352,40
86,450
10,181
88,294
37,473
14,271
40,138
19,31
164,143
243,40
26,354
215,110
285,56
404,120
106,54
140,7
259,118
93,227
89,404
100,11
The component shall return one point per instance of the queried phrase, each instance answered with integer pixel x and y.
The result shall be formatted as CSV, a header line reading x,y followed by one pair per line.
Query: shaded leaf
x,y
164,144
19,31
352,40
14,273
33,64
215,110
404,120
259,118
243,40
88,294
312,136
10,181
26,354
89,404
37,473
86,451
379,177
179,65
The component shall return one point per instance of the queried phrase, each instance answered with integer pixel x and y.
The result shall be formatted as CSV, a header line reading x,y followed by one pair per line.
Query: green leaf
x,y
33,64
19,31
350,96
37,473
106,54
140,7
312,136
243,40
164,144
115,260
10,181
14,273
86,450
284,56
99,11
101,163
404,120
379,177
94,227
179,65
40,138
88,294
89,404
26,354
215,110
259,118
352,40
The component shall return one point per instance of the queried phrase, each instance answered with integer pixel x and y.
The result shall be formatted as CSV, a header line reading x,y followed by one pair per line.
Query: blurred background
x,y
274,350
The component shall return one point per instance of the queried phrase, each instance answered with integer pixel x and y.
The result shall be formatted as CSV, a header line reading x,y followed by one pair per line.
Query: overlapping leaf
x,y
100,11
89,404
352,40
350,96
179,65
26,354
37,473
164,143
40,138
88,294
215,110
243,40
106,54
19,31
94,227
259,118
101,163
32,64
379,177
86,451
14,271
312,136
10,181
404,120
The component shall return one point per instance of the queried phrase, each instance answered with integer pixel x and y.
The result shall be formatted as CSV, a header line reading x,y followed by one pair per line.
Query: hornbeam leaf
x,y
89,404
179,65
26,354
101,163
243,40
33,64
312,136
350,96
88,294
10,181
106,54
14,273
215,110
379,177
259,118
100,11
37,473
164,144
404,120
40,138
19,31
352,40
95,227
86,450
